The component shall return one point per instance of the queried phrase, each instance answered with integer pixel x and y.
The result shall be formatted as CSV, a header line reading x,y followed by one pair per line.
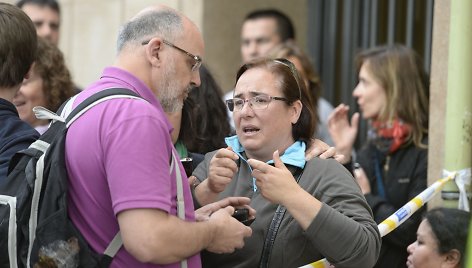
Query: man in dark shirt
x,y
18,48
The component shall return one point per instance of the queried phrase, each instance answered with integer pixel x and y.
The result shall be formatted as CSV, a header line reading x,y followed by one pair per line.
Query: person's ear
x,y
153,51
296,110
452,259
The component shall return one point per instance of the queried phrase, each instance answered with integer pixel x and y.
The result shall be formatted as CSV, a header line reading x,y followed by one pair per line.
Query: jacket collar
x,y
294,155
8,106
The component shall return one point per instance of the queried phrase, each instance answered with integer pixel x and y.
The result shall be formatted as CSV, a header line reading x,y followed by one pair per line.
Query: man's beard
x,y
168,91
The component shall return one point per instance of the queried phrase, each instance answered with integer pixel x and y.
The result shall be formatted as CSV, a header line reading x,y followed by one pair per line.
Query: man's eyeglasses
x,y
258,102
197,59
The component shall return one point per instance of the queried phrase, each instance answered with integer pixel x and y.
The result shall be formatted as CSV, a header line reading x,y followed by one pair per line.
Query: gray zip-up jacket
x,y
343,231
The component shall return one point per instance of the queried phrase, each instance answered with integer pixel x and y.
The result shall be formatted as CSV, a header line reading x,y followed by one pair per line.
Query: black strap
x,y
378,176
99,95
104,262
274,228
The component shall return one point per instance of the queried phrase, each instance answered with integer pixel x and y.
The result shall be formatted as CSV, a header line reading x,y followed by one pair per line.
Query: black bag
x,y
35,230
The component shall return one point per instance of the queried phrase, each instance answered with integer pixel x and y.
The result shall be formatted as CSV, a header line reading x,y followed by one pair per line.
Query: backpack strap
x,y
65,112
66,107
97,98
180,195
111,251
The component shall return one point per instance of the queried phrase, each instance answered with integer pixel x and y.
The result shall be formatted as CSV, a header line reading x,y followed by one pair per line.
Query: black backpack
x,y
35,230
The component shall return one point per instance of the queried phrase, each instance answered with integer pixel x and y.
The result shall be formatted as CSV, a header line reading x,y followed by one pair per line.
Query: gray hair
x,y
166,24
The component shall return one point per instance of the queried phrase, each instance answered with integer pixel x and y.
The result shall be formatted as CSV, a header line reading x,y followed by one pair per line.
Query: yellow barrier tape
x,y
418,202
399,216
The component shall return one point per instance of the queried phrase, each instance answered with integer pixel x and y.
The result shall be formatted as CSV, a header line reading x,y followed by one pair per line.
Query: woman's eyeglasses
x,y
258,102
261,101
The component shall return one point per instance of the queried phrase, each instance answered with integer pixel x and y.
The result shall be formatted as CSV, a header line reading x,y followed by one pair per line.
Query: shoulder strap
x,y
180,195
117,242
274,228
99,97
65,113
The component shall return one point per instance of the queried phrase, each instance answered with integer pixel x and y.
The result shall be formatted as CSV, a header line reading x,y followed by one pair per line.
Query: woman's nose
x,y
247,108
410,248
356,91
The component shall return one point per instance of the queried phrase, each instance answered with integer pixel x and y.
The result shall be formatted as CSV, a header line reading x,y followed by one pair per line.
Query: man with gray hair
x,y
119,177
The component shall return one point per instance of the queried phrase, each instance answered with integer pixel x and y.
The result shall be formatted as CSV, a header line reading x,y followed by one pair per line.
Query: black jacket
x,y
404,175
15,135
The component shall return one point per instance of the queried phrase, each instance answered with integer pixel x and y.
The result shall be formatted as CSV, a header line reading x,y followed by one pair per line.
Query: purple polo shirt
x,y
117,157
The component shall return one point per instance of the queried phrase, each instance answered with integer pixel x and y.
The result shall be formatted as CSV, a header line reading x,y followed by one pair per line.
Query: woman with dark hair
x,y
306,210
391,168
208,113
49,85
202,124
441,240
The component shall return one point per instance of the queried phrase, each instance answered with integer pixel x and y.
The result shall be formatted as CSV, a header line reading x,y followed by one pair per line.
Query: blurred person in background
x,y
49,85
201,126
391,168
210,115
290,51
46,17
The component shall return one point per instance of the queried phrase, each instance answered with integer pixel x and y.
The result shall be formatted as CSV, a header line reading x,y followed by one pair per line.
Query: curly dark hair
x,y
205,121
57,81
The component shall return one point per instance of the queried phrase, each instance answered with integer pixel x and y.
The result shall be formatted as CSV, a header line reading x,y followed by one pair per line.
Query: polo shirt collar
x,y
132,82
129,81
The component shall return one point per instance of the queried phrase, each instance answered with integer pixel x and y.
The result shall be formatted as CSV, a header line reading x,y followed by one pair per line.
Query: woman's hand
x,y
321,149
276,183
222,169
342,132
220,173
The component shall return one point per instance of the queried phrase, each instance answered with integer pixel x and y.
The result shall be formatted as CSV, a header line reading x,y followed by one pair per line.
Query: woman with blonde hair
x,y
391,168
